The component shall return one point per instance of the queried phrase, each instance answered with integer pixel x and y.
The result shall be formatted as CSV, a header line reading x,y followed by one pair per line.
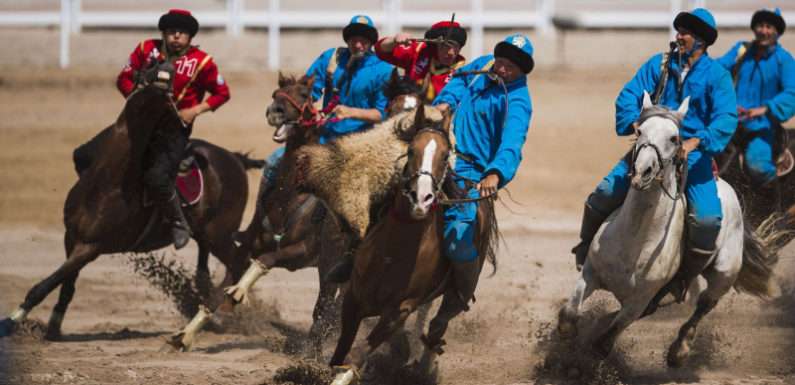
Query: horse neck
x,y
645,210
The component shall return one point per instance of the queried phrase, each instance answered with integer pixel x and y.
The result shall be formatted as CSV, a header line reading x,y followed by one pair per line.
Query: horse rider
x,y
686,71
350,80
764,78
195,74
492,110
430,64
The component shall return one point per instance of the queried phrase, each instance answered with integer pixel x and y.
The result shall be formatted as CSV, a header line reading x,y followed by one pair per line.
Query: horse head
x,y
292,112
426,163
403,94
159,75
658,142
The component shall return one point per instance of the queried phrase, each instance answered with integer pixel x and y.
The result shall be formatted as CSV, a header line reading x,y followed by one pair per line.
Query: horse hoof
x,y
677,354
176,343
7,327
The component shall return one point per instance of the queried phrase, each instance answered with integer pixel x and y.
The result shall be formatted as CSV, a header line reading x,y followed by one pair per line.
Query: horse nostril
x,y
647,172
428,198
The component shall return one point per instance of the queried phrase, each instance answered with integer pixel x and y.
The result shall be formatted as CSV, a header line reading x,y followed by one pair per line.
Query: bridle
x,y
681,164
316,118
406,181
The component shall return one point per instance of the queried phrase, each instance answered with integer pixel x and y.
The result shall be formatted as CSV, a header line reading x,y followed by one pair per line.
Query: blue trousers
x,y
759,163
460,224
272,163
704,211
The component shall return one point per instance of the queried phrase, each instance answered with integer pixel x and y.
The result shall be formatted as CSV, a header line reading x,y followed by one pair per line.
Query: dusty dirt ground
x,y
117,322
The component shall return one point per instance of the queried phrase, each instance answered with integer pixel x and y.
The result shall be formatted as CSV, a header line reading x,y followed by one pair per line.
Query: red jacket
x,y
418,59
196,69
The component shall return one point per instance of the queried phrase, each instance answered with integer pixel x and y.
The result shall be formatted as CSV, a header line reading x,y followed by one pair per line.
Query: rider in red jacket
x,y
431,65
195,75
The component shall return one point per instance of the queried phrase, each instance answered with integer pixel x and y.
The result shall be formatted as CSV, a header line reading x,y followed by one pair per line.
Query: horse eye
x,y
674,139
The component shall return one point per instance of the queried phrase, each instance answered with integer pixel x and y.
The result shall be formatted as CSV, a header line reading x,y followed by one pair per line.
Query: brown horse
x,y
106,212
312,236
399,265
289,230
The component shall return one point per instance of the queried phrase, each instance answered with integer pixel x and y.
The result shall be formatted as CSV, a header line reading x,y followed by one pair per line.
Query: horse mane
x,y
400,85
660,111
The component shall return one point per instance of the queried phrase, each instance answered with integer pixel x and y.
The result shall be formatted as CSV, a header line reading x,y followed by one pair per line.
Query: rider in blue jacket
x,y
490,126
706,130
764,75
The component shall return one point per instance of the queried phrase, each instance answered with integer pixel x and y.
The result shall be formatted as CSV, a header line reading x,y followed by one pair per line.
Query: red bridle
x,y
317,118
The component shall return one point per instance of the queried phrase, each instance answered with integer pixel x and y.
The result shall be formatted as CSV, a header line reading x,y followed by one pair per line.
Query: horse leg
x,y
81,255
260,266
630,311
570,312
718,284
203,281
422,318
351,319
59,311
322,315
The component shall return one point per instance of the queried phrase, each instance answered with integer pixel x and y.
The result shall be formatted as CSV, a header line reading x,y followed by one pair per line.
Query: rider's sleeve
x,y
728,60
509,153
125,82
782,106
377,98
401,55
630,99
457,86
723,116
214,83
318,69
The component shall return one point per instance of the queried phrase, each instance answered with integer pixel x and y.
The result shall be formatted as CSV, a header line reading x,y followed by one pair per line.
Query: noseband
x,y
307,106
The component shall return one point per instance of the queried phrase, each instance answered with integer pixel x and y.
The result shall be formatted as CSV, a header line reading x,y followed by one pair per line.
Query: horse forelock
x,y
662,112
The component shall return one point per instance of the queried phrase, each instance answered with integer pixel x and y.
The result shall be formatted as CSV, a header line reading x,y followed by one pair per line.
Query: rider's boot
x,y
591,221
180,230
465,277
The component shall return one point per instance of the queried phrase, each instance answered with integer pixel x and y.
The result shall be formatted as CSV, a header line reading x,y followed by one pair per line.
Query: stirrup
x,y
785,163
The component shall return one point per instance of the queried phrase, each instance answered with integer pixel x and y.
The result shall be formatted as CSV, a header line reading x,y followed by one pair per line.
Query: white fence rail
x,y
391,18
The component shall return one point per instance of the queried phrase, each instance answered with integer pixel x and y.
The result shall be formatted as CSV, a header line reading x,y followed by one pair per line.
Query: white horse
x,y
637,250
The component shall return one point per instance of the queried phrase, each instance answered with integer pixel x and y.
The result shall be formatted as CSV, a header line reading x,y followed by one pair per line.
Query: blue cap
x,y
700,22
361,25
518,49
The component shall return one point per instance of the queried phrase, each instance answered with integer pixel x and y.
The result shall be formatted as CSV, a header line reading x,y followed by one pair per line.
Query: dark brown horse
x,y
761,203
290,230
399,265
106,212
311,235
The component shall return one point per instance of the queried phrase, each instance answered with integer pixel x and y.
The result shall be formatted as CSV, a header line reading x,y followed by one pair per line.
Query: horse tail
x,y
760,256
248,162
489,234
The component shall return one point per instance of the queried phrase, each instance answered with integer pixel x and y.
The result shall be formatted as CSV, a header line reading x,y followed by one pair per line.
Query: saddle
x,y
189,181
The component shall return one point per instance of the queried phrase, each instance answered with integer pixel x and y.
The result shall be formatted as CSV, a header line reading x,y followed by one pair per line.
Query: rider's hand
x,y
343,112
755,112
635,126
688,146
188,115
488,185
442,107
402,38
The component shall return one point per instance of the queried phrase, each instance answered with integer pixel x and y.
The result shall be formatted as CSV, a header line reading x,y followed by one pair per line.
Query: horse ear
x,y
283,80
682,110
447,120
308,80
419,116
647,100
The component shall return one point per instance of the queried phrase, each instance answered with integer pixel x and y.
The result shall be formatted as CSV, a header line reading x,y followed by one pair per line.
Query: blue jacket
x,y
361,88
768,82
712,113
484,131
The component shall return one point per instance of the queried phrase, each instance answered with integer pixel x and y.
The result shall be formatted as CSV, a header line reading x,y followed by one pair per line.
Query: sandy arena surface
x,y
117,322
